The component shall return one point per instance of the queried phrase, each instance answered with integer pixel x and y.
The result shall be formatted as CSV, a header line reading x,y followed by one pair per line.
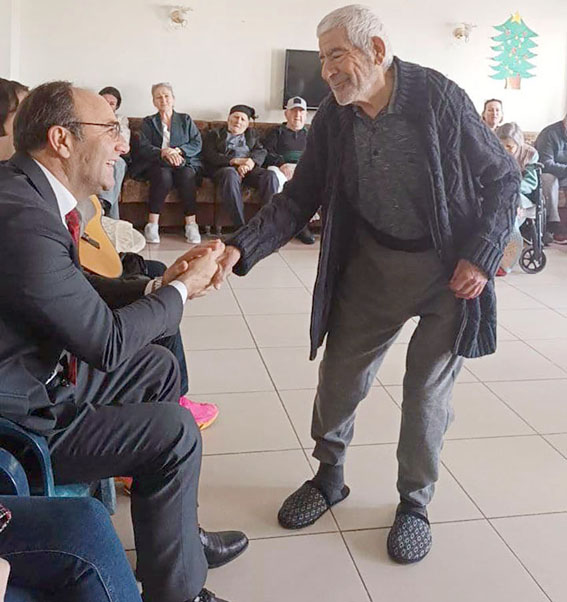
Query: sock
x,y
330,480
406,506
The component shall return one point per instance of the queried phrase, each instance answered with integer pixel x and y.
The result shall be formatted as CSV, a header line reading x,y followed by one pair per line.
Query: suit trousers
x,y
130,423
229,189
379,291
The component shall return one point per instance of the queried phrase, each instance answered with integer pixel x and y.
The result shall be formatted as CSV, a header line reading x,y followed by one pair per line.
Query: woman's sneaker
x,y
192,234
151,232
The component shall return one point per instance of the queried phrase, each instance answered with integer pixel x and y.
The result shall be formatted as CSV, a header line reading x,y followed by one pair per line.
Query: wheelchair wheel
x,y
529,262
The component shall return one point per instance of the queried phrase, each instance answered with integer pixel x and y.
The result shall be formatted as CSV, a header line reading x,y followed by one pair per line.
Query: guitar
x,y
96,251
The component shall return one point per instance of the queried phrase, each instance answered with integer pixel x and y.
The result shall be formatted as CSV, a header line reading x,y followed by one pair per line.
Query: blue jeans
x,y
64,549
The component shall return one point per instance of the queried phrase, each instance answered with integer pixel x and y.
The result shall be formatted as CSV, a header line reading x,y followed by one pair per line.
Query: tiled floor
x,y
500,512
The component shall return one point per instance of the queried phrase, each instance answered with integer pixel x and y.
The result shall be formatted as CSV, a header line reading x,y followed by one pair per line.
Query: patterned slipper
x,y
410,538
303,507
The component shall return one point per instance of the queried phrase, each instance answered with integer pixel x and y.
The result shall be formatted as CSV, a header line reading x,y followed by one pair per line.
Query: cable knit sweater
x,y
474,189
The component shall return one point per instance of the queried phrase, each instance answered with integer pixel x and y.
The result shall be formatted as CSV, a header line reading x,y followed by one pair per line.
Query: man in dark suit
x,y
116,410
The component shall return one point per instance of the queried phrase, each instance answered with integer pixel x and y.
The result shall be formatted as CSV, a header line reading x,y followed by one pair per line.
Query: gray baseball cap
x,y
296,102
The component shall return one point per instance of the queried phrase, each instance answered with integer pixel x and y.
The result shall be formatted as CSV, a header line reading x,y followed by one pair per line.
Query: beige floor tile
x,y
216,332
227,371
393,368
291,368
468,563
215,303
554,350
534,323
510,476
266,277
371,473
289,330
170,242
539,542
300,259
248,422
293,568
504,335
514,360
273,301
478,413
122,519
551,295
509,297
541,403
245,491
296,245
307,276
377,421
559,442
273,260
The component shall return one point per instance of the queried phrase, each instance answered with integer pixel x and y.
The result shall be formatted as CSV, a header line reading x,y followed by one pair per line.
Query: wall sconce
x,y
179,17
462,31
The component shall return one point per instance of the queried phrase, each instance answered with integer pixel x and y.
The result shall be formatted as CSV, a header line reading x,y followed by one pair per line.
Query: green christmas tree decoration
x,y
514,49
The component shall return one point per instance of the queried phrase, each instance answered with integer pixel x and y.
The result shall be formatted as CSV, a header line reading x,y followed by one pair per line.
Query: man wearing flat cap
x,y
234,156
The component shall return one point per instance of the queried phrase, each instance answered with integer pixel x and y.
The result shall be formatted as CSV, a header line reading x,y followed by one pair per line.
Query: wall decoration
x,y
515,49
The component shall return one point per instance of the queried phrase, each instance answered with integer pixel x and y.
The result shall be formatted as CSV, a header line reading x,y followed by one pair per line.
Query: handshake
x,y
202,268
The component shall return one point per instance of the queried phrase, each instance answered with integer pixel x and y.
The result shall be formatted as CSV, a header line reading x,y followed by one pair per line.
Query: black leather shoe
x,y
206,596
306,236
222,546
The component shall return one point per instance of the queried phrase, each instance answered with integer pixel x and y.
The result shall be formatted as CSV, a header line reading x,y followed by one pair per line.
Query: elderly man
x,y
234,155
418,199
552,148
87,377
285,145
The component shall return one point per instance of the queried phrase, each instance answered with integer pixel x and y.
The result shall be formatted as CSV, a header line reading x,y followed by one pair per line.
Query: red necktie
x,y
73,221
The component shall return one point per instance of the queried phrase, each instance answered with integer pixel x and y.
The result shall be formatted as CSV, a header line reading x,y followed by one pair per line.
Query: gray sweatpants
x,y
379,291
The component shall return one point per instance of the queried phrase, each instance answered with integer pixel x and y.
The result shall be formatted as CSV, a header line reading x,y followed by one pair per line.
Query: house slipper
x,y
305,506
410,538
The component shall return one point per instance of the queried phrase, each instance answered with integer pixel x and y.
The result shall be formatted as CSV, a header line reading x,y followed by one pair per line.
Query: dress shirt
x,y
67,202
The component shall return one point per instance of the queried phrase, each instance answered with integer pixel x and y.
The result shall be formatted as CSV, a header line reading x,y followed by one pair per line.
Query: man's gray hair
x,y
361,25
163,85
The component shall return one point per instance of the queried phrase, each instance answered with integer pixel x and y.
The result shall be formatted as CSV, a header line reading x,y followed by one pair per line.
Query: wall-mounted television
x,y
303,77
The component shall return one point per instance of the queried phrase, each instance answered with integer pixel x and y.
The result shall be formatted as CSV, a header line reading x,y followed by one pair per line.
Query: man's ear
x,y
379,49
59,139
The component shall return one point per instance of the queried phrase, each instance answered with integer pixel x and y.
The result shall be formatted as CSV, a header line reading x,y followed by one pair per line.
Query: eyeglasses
x,y
113,128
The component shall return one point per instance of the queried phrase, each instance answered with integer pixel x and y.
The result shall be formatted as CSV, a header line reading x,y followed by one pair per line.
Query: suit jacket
x,y
184,134
214,148
47,305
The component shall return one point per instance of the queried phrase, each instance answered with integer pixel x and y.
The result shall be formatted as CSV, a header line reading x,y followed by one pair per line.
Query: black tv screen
x,y
303,77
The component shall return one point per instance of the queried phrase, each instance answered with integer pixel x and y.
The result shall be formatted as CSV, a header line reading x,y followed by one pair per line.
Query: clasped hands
x,y
173,156
243,165
468,280
203,267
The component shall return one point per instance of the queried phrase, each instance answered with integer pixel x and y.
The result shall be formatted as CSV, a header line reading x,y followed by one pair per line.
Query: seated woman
x,y
110,197
168,155
235,155
11,95
512,139
493,113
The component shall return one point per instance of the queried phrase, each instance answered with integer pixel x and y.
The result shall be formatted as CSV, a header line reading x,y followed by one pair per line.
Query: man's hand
x,y
287,169
201,270
226,262
242,170
468,281
181,264
172,156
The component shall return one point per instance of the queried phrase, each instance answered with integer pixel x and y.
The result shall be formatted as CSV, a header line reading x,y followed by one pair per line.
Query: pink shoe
x,y
204,413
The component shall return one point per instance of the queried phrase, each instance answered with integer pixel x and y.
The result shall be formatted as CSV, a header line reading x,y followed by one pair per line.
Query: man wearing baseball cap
x,y
285,144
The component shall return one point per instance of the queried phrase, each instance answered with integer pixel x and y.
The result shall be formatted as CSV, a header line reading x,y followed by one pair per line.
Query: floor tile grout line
x,y
512,551
297,275
562,454
358,571
544,356
494,528
546,305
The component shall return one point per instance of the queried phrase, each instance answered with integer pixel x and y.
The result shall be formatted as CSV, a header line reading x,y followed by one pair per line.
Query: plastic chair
x,y
26,444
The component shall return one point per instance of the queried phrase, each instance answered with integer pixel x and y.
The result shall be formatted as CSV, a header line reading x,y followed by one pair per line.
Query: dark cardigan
x,y
474,186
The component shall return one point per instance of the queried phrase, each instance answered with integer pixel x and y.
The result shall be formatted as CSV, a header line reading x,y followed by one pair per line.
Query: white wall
x,y
234,51
9,38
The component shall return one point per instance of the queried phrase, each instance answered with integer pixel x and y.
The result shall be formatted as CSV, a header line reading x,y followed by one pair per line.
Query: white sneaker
x,y
192,233
151,232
